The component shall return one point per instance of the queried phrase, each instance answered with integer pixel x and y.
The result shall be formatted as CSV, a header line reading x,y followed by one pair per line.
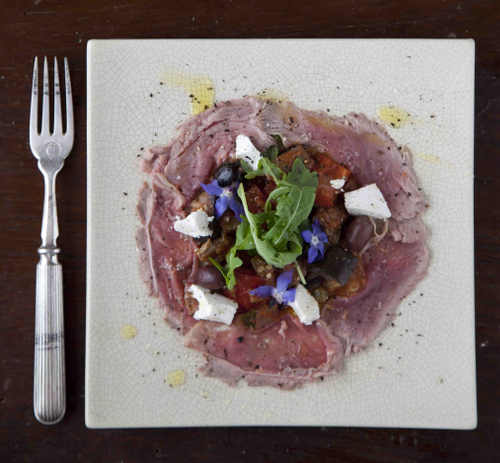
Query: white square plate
x,y
422,374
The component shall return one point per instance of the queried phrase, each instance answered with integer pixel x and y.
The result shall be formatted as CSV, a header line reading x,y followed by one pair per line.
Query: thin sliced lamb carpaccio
x,y
285,354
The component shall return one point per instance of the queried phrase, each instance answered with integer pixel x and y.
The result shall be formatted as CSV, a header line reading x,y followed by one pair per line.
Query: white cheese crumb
x,y
195,224
305,306
213,307
246,151
367,200
337,183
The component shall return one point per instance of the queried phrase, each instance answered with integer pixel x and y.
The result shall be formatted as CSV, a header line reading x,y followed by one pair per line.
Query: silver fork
x,y
51,149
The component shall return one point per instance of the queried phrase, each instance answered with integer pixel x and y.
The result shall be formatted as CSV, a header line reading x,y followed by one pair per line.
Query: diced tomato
x,y
246,280
266,315
255,199
285,161
328,170
327,165
268,187
323,161
337,171
325,194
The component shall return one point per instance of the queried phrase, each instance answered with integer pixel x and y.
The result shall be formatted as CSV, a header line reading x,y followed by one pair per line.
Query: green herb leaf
x,y
267,168
300,175
275,233
244,242
245,166
279,143
286,254
299,272
295,199
271,152
220,268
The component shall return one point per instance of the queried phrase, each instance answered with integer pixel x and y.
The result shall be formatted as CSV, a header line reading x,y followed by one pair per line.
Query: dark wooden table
x,y
59,28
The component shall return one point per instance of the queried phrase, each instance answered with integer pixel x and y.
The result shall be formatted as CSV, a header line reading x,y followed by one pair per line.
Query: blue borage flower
x,y
316,238
281,293
226,198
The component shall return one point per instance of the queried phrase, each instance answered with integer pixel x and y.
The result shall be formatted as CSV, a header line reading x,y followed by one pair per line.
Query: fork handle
x,y
49,391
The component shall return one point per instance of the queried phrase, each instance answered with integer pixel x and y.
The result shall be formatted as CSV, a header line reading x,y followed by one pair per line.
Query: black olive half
x,y
227,174
208,277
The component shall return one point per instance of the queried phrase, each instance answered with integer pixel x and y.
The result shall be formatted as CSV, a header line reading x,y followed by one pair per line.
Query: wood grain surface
x,y
63,28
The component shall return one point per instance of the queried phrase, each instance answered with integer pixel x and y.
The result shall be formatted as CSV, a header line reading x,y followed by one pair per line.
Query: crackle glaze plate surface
x,y
421,371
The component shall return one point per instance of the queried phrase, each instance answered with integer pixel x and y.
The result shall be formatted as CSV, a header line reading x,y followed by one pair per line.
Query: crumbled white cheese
x,y
367,200
305,306
246,151
213,307
337,183
195,224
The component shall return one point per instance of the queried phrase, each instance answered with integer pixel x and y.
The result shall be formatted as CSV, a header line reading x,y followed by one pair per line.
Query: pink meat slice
x,y
284,354
393,267
393,270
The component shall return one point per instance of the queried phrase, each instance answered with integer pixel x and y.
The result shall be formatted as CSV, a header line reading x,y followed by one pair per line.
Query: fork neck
x,y
50,228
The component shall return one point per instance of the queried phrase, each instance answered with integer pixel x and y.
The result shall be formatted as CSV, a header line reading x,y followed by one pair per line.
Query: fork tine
x,y
45,100
34,102
69,102
57,101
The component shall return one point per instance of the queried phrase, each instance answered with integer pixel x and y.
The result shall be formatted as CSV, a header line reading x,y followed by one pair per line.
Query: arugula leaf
x,y
273,256
279,143
244,242
267,168
275,233
271,152
245,166
220,268
300,175
299,272
295,199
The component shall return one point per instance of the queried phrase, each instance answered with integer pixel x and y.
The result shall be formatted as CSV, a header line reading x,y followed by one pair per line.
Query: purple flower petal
x,y
212,188
236,207
284,280
322,237
312,254
221,205
321,248
307,235
316,227
288,296
262,291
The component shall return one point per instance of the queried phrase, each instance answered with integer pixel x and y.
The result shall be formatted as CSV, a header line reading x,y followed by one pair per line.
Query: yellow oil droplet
x,y
393,116
128,332
200,89
272,94
429,157
175,378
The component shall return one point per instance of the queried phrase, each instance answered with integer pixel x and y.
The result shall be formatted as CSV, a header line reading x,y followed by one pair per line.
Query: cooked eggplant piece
x,y
262,268
331,220
337,265
314,282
